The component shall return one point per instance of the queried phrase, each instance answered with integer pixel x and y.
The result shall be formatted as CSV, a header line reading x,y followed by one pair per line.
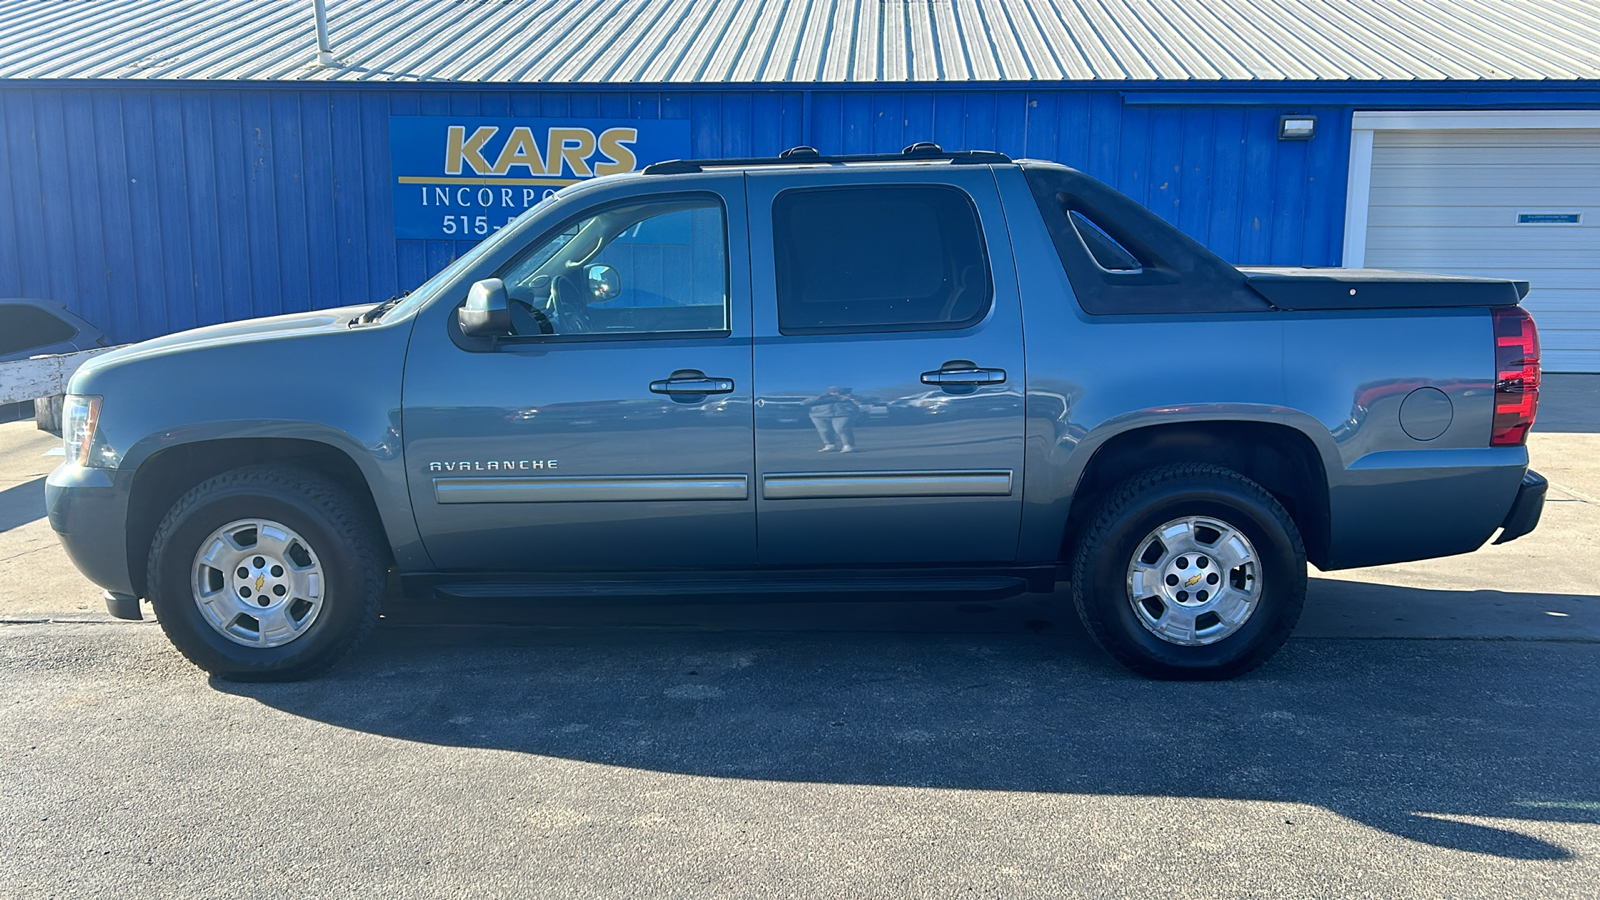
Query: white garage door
x,y
1511,204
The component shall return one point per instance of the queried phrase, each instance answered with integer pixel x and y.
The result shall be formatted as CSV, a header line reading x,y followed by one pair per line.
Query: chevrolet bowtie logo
x,y
262,579
1191,582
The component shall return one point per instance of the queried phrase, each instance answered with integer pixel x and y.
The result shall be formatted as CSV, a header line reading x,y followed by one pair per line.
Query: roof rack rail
x,y
806,155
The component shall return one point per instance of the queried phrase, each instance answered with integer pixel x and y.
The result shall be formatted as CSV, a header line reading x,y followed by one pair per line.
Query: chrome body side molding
x,y
570,489
937,483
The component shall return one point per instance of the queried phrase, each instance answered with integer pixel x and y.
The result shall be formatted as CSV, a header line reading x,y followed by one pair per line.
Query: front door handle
x,y
965,375
692,381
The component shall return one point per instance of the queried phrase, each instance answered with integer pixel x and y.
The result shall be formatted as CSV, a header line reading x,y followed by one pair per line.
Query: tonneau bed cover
x,y
1304,288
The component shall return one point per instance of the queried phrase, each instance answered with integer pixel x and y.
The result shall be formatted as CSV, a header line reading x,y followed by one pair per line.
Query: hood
x,y
228,337
271,326
322,321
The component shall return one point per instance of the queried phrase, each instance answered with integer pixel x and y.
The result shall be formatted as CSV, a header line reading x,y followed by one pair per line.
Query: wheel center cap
x,y
1185,579
261,586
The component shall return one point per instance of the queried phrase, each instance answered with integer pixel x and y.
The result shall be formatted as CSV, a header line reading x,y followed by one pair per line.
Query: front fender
x,y
378,457
311,377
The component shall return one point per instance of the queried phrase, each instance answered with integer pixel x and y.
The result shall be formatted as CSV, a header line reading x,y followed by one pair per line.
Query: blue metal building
x,y
171,163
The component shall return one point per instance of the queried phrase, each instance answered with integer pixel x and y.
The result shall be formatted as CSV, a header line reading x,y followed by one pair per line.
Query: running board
x,y
992,587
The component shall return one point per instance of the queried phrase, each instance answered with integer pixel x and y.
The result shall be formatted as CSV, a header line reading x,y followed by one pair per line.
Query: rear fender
x,y
1051,491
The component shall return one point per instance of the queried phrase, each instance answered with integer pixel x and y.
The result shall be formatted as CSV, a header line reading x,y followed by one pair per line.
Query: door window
x,y
641,268
879,258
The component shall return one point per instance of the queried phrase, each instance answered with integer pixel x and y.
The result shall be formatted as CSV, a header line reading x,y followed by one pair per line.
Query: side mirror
x,y
604,283
486,313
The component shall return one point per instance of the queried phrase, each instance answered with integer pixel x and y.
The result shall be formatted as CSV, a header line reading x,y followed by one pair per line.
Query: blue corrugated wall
x,y
151,209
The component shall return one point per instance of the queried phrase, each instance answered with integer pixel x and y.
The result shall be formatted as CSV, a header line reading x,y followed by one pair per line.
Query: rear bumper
x,y
1402,505
1525,510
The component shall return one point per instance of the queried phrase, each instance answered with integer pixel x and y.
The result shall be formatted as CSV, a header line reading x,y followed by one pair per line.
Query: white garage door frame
x,y
1363,124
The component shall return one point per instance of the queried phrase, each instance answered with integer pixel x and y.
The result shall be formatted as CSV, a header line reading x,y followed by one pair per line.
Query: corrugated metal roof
x,y
827,41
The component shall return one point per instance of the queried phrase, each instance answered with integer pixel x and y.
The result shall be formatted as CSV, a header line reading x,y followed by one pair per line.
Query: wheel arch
x,y
168,473
1281,458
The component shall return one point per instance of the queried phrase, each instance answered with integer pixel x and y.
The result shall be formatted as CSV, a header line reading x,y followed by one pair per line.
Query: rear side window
x,y
1107,253
881,258
1123,259
29,327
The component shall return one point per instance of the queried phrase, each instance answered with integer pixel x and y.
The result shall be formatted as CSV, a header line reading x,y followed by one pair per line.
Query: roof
x,y
806,41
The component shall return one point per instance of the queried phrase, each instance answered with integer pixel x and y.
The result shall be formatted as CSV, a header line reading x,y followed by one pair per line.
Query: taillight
x,y
1516,376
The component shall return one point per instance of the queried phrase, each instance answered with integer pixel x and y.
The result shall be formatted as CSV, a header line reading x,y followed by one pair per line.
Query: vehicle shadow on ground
x,y
1399,735
21,504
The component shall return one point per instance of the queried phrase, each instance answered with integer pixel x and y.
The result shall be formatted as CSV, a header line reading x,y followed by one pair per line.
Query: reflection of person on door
x,y
833,412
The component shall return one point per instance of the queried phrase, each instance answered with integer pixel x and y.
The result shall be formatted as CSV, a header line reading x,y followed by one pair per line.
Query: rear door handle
x,y
973,375
692,381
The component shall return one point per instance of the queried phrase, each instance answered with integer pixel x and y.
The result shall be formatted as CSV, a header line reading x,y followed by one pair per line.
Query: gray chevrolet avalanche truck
x,y
922,373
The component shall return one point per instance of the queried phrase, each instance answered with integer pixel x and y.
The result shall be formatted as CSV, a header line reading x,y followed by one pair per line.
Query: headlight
x,y
80,429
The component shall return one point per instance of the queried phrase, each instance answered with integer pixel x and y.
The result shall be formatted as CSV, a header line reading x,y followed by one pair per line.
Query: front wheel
x,y
266,574
1190,572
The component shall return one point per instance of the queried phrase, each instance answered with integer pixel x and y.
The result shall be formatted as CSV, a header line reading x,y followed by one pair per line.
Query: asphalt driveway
x,y
1431,730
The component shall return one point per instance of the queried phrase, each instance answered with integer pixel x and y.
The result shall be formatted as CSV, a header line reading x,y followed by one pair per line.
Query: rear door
x,y
888,367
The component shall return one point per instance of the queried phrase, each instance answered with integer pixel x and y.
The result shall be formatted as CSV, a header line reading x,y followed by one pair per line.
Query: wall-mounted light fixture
x,y
1296,128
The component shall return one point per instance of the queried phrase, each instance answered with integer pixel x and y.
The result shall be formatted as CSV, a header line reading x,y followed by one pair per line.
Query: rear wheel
x,y
1190,572
266,573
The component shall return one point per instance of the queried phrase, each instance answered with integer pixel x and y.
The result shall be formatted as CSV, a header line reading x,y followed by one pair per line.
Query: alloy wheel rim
x,y
258,583
1194,581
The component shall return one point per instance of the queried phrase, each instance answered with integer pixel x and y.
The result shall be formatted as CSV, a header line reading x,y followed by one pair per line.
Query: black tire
x,y
1100,571
330,521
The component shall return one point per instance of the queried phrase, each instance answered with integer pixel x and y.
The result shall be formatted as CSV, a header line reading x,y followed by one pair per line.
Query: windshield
x,y
419,297
424,293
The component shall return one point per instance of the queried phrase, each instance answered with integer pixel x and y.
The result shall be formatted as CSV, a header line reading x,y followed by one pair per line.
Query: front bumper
x,y
1525,510
89,512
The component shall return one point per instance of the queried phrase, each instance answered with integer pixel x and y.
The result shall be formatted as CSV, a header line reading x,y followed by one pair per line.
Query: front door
x,y
888,367
613,432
